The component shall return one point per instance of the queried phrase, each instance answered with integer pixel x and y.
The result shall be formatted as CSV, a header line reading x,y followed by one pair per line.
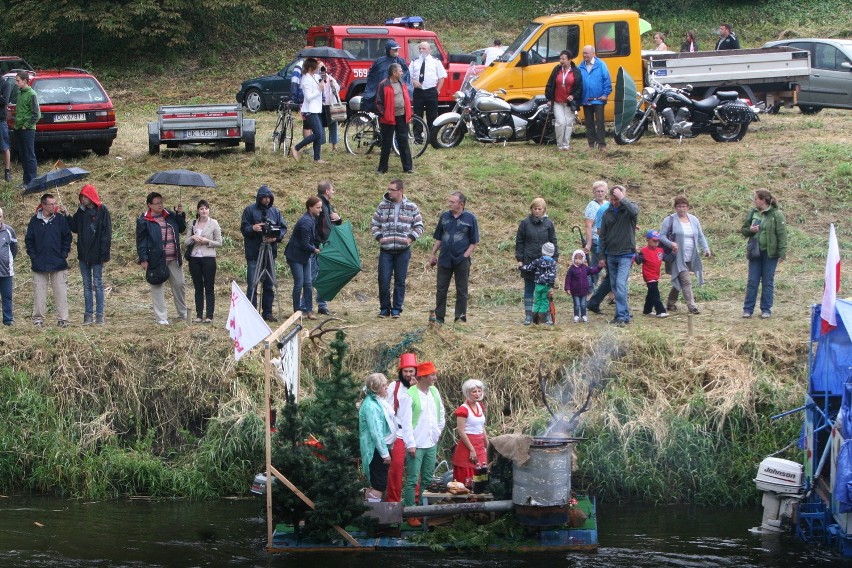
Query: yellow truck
x,y
766,77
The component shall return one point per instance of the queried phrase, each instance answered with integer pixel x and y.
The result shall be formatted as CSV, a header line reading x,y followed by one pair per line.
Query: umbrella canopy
x,y
626,100
339,261
183,178
644,26
325,52
55,178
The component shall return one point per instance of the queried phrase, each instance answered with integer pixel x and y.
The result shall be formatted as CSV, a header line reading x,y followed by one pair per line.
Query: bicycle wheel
x,y
361,134
276,134
287,134
418,137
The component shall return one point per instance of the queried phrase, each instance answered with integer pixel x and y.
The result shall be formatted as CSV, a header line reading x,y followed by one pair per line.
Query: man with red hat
x,y
427,420
400,401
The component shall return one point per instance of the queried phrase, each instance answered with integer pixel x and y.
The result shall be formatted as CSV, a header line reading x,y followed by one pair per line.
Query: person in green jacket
x,y
765,222
376,434
27,115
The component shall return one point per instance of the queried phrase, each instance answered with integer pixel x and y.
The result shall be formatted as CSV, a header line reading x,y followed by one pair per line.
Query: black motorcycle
x,y
488,118
672,113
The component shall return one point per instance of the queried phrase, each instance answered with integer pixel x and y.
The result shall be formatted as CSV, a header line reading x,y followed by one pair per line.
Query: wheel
x,y
809,109
153,145
361,134
277,134
633,132
418,137
254,102
448,135
102,150
287,134
730,133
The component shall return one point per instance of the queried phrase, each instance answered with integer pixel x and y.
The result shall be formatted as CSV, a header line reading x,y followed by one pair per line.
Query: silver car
x,y
830,83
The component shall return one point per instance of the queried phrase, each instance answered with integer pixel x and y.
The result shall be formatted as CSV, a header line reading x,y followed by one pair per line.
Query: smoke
x,y
571,396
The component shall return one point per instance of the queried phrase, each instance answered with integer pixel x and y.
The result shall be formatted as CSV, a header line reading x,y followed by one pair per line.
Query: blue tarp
x,y
832,364
843,479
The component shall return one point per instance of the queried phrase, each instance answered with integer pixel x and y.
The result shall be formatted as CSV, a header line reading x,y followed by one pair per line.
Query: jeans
x,y
26,151
93,285
7,287
579,305
595,132
317,137
761,269
332,125
529,292
401,131
420,468
303,289
619,271
321,304
396,264
203,272
594,258
652,299
268,296
461,273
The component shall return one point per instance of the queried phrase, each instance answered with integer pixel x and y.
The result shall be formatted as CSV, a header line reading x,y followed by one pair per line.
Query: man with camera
x,y
263,227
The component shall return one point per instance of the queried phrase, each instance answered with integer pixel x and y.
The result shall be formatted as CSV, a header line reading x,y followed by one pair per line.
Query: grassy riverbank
x,y
131,408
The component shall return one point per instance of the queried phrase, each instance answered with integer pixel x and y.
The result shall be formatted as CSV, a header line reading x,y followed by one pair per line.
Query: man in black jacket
x,y
157,243
48,243
727,39
262,223
93,226
329,217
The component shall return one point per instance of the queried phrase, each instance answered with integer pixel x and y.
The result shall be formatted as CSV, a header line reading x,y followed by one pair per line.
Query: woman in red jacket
x,y
394,106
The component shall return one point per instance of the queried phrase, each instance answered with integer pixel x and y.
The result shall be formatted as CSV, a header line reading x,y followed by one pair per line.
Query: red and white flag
x,y
245,326
832,284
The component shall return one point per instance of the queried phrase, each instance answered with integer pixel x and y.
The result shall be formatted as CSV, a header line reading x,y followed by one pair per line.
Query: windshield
x,y
519,42
67,90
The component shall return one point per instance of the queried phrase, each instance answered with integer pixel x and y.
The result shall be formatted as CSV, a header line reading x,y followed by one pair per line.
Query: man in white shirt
x,y
427,419
400,401
427,75
493,52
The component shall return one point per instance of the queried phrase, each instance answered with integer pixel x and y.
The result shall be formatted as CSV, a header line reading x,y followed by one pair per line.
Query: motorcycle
x,y
488,118
672,113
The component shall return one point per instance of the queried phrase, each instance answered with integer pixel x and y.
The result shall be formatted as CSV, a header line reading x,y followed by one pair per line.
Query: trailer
x,y
221,125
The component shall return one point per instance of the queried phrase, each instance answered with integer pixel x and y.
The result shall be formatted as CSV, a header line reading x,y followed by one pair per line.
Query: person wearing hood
x,y
157,242
93,226
262,223
8,252
533,231
379,71
48,242
564,92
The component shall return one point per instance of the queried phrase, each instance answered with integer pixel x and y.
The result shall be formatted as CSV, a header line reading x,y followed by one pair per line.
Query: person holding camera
x,y
262,224
312,87
301,248
330,94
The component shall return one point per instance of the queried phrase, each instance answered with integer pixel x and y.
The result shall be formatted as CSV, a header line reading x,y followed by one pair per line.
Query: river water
x,y
46,532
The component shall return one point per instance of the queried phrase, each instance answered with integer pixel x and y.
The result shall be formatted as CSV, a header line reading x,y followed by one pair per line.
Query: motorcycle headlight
x,y
458,96
648,93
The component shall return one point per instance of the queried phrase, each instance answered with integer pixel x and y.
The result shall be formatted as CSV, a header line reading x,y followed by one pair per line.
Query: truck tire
x,y
153,145
809,109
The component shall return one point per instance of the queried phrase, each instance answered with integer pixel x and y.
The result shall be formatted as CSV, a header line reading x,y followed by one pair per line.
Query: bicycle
x,y
282,136
362,133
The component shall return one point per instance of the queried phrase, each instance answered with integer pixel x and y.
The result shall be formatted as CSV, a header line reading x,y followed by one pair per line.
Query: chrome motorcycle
x,y
672,113
488,118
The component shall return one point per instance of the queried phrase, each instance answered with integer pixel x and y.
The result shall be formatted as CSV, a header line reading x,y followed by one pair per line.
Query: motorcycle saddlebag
x,y
734,112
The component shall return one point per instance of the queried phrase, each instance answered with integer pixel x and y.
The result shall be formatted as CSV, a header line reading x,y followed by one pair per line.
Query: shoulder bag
x,y
337,110
669,255
157,274
752,248
188,252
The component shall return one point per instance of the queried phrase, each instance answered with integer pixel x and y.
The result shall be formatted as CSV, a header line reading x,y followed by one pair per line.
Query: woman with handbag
x,y
682,233
203,239
533,231
312,88
331,102
766,225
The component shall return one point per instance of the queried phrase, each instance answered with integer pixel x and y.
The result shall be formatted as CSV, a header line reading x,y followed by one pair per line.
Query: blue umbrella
x,y
54,179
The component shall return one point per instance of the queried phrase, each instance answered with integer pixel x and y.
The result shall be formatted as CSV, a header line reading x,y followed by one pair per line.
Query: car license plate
x,y
74,117
202,133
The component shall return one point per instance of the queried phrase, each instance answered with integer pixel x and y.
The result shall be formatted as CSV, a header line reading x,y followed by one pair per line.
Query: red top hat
x,y
407,360
426,368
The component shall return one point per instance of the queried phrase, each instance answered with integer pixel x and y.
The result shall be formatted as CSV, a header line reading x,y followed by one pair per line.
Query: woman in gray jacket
x,y
682,233
204,237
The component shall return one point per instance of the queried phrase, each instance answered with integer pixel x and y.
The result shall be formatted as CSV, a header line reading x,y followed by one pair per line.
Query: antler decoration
x,y
317,332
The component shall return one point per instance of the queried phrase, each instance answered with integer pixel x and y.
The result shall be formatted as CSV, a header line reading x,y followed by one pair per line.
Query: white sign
x,y
244,325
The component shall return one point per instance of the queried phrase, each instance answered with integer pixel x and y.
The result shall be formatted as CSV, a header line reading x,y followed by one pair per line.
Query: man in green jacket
x,y
27,115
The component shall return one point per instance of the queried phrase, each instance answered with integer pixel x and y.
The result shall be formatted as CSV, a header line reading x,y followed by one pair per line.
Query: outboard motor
x,y
781,483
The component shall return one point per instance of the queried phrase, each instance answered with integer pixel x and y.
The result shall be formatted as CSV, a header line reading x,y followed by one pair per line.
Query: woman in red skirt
x,y
473,441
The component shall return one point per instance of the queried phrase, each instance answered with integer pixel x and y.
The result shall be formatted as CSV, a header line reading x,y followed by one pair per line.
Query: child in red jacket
x,y
651,258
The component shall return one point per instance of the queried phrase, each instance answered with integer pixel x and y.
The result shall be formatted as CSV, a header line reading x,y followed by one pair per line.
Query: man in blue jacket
x,y
597,86
48,243
379,71
262,223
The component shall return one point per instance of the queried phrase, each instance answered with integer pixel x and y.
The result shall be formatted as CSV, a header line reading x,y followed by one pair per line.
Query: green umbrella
x,y
626,100
644,26
339,261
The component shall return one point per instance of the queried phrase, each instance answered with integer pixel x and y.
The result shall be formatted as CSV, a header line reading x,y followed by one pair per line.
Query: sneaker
x,y
528,319
462,318
765,315
38,323
585,319
663,315
395,315
88,319
746,315
163,322
198,320
99,319
618,322
384,314
208,320
595,309
7,175
62,323
576,319
325,312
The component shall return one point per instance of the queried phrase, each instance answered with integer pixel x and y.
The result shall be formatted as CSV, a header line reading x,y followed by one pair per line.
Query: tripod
x,y
264,269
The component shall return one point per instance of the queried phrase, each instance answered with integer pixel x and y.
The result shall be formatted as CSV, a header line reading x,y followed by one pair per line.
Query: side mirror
x,y
525,59
846,65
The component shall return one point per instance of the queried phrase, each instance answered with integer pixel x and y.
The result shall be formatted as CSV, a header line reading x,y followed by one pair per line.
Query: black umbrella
x,y
325,52
54,179
181,178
